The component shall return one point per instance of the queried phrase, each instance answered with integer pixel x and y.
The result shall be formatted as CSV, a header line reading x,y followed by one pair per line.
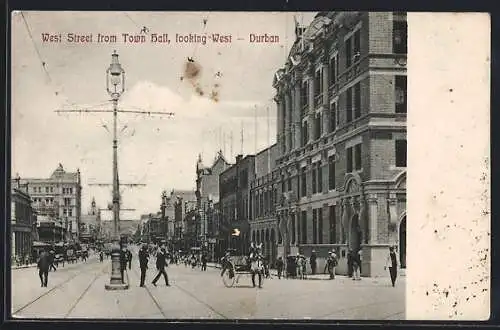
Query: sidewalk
x,y
323,277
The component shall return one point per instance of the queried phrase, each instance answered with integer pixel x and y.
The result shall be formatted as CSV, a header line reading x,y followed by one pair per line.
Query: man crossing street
x,y
161,263
43,268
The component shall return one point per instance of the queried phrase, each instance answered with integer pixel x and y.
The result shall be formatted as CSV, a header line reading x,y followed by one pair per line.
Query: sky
x,y
160,152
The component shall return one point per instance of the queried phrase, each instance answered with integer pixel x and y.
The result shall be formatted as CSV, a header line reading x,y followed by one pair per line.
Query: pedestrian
x,y
312,261
350,262
101,256
129,258
204,262
356,267
331,263
279,266
143,263
161,263
123,263
392,263
52,260
43,268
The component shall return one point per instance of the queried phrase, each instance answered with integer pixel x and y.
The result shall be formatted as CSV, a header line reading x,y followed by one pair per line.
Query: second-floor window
x,y
349,105
320,178
331,173
357,157
333,117
303,182
317,126
400,91
399,37
305,134
357,100
334,69
401,156
314,179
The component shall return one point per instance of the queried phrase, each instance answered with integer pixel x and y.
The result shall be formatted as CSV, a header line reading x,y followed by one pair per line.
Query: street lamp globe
x,y
115,76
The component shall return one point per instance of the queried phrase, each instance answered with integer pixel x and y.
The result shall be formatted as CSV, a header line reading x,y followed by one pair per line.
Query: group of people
x,y
161,264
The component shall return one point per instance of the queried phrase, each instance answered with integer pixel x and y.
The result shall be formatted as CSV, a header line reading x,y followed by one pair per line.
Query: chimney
x,y
239,158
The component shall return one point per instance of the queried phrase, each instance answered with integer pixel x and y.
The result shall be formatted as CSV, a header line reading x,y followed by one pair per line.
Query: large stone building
x,y
263,194
23,222
341,135
58,196
235,203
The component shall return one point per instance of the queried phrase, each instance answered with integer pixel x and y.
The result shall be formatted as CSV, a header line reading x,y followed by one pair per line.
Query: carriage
x,y
238,265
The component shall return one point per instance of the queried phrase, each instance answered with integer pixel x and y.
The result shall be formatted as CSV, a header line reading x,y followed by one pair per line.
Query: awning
x,y
38,244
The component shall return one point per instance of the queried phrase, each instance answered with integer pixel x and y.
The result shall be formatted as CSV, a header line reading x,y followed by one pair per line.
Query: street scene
x,y
77,291
185,165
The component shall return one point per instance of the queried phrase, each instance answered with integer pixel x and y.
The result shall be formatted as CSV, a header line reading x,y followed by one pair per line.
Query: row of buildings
x,y
336,176
49,211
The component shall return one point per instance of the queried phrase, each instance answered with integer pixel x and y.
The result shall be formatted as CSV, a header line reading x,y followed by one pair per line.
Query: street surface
x,y
77,291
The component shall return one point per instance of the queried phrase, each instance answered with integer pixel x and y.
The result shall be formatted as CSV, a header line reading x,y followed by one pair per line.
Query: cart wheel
x,y
229,276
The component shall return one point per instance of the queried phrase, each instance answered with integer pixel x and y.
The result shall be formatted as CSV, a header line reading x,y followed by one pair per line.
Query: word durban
x,y
153,38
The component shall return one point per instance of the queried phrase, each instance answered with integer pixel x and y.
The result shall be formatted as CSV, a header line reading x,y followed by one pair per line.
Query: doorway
x,y
355,234
402,243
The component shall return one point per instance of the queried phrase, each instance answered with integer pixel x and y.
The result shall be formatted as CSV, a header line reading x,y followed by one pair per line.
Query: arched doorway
x,y
402,243
355,234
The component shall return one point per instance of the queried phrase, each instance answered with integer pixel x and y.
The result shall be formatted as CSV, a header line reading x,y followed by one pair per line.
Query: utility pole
x,y
115,75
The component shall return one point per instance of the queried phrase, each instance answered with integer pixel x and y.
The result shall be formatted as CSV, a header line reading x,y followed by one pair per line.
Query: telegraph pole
x,y
115,75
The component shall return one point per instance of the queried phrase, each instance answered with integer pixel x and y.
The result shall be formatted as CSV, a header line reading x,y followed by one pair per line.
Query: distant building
x,y
90,224
235,203
23,222
263,197
207,196
59,196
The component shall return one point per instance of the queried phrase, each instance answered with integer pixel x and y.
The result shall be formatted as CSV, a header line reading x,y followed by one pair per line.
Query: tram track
x,y
155,301
58,286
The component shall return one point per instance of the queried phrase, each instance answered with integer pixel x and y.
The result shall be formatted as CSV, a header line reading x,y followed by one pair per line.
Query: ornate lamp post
x,y
115,76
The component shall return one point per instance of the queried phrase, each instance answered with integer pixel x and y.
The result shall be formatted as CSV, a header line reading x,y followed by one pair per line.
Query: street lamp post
x,y
115,76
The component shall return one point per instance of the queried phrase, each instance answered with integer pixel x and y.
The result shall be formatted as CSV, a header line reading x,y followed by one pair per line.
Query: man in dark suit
x,y
161,263
43,268
123,263
129,258
143,262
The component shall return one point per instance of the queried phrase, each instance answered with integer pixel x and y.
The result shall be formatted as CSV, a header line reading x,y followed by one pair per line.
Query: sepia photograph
x,y
209,165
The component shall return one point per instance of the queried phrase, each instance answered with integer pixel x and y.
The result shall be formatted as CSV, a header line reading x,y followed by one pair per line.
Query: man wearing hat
x,y
161,263
331,263
143,262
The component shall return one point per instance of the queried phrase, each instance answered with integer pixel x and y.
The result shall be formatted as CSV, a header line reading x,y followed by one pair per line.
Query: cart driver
x,y
225,262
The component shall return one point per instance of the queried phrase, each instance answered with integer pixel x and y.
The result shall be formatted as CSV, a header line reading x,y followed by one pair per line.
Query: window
x,y
304,95
71,190
331,172
348,52
317,83
65,212
357,100
320,226
357,44
401,153
332,224
399,37
314,188
315,224
320,178
305,134
51,189
303,179
70,212
357,157
317,128
67,201
333,117
283,184
349,160
334,69
289,184
349,105
293,228
34,189
47,190
400,91
304,228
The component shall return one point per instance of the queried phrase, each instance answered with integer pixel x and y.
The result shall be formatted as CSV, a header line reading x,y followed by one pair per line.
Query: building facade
x,y
90,224
23,223
263,194
58,196
235,203
341,135
207,196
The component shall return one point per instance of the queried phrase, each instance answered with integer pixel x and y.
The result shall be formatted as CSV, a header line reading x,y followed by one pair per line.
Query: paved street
x,y
77,291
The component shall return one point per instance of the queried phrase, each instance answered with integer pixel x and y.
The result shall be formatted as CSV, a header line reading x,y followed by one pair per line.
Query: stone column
x,y
363,220
373,218
344,221
393,218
